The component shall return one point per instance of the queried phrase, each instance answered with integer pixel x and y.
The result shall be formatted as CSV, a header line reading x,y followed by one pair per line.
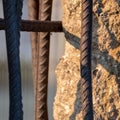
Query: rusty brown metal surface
x,y
85,48
37,26
41,112
33,6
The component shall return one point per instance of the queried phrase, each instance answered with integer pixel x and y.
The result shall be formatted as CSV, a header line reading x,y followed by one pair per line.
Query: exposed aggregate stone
x,y
105,62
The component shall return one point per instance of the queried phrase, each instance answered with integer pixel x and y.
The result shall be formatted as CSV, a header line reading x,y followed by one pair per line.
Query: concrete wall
x,y
105,62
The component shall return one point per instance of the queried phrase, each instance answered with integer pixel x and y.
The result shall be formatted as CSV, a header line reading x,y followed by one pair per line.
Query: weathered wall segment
x,y
105,62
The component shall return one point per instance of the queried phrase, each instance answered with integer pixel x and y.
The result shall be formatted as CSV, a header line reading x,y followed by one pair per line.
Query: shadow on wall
x,y
105,60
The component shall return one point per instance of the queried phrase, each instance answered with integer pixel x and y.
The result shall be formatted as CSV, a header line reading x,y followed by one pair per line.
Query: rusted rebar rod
x,y
37,26
85,47
33,6
45,9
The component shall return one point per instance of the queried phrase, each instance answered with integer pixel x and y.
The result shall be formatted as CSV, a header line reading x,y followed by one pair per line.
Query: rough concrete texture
x,y
105,62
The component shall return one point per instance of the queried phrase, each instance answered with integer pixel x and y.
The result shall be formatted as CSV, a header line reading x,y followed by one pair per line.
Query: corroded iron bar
x,y
37,26
33,6
85,47
43,52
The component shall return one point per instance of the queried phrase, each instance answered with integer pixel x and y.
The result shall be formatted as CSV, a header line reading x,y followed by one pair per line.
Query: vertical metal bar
x,y
43,63
12,14
86,80
33,6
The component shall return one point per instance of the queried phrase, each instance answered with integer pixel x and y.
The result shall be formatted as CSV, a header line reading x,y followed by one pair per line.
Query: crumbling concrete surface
x,y
105,62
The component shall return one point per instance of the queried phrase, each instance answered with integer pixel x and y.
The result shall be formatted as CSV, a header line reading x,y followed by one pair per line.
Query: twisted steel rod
x,y
33,6
12,14
86,82
45,9
37,26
